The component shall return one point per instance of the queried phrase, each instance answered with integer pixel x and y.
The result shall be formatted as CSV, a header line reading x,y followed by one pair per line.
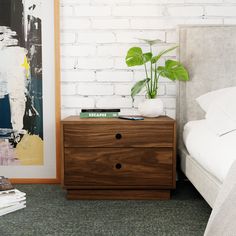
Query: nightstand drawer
x,y
118,167
97,135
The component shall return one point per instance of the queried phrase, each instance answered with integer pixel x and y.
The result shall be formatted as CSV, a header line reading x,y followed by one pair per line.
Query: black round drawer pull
x,y
118,136
118,166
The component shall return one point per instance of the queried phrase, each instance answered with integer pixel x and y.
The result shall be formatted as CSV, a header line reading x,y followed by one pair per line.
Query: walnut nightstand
x,y
118,159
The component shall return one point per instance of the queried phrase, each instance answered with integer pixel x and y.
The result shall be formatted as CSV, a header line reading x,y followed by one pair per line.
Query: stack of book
x,y
10,199
99,113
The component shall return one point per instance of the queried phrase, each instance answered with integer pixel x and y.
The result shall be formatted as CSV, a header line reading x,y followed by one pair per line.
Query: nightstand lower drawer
x,y
118,167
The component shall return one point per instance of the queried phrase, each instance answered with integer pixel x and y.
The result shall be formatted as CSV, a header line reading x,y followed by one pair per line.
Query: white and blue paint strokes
x,y
20,70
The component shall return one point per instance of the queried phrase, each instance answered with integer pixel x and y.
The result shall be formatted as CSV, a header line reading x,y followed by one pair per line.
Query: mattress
x,y
215,154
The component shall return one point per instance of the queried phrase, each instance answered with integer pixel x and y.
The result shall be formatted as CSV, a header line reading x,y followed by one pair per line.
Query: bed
x,y
209,53
207,148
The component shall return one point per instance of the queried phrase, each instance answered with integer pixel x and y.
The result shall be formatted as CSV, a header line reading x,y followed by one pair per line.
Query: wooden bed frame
x,y
209,53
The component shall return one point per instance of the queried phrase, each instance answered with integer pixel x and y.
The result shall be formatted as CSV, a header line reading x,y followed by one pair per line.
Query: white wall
x,y
95,36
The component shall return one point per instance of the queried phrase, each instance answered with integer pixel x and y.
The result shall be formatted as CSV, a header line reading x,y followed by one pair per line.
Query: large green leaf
x,y
147,57
134,57
173,70
156,58
138,87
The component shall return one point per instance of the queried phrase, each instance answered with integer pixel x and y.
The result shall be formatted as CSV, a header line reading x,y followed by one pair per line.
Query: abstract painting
x,y
22,138
21,108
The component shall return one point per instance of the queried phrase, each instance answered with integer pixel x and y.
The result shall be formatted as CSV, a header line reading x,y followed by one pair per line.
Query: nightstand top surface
x,y
76,119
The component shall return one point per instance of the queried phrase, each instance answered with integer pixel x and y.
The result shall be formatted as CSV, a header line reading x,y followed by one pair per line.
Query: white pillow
x,y
220,107
219,122
228,105
220,95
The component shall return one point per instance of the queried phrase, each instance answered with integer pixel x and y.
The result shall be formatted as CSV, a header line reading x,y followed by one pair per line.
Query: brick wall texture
x,y
96,34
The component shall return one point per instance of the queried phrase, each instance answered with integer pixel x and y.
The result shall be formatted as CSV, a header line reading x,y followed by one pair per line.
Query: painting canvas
x,y
24,146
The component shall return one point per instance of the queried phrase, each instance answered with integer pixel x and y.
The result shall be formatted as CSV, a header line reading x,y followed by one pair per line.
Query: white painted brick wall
x,y
115,76
90,89
95,35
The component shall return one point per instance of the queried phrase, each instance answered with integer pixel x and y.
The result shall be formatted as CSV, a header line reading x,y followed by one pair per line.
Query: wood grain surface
x,y
78,120
118,166
118,159
99,135
107,194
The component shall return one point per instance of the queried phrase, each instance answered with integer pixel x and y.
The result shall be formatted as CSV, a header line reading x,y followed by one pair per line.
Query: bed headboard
x,y
209,53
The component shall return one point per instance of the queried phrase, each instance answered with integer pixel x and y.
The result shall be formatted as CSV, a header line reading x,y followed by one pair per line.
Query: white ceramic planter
x,y
151,107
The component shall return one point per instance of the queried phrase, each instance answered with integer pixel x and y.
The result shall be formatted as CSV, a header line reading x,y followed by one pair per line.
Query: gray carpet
x,y
49,213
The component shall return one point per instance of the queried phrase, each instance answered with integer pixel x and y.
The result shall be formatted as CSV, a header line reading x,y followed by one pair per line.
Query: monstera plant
x,y
172,69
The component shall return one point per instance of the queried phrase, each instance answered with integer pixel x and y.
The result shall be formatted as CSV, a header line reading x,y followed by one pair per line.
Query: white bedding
x,y
216,154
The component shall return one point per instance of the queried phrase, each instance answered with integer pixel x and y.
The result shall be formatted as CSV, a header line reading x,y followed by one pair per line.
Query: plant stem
x,y
155,77
145,66
157,80
151,81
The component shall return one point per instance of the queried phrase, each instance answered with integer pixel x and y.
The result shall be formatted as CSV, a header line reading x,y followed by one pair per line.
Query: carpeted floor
x,y
49,213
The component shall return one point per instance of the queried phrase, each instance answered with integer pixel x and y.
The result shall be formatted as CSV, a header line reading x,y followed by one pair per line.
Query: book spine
x,y
99,114
100,110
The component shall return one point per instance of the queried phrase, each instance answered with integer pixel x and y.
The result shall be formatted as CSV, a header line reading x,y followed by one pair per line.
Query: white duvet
x,y
216,154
